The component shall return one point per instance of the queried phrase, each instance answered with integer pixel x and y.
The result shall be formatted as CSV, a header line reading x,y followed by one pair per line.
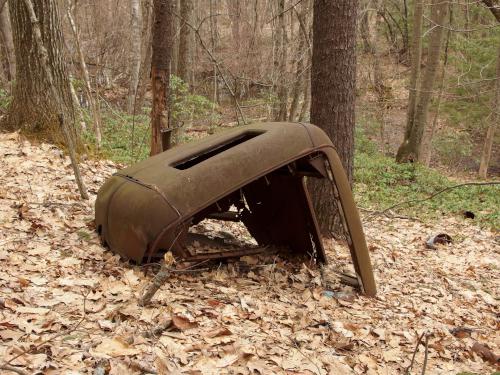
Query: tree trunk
x,y
233,9
32,108
415,57
185,42
495,120
146,53
96,115
426,147
280,60
333,78
409,151
160,75
301,74
8,43
135,54
174,60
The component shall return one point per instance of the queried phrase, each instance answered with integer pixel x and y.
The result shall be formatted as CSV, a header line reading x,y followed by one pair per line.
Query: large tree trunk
x,y
160,75
410,151
495,120
8,43
33,109
135,54
415,56
42,54
333,79
185,42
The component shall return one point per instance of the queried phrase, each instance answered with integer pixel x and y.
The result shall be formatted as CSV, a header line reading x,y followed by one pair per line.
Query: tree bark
x,y
32,109
409,151
494,7
185,42
135,54
333,78
488,141
415,57
8,43
160,75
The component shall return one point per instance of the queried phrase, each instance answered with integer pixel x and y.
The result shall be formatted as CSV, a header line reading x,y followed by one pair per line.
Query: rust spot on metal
x,y
255,175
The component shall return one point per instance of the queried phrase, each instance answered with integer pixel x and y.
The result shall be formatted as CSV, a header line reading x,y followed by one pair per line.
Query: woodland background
x,y
409,92
234,62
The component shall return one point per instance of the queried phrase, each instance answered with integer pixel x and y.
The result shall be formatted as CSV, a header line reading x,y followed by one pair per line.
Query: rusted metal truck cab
x,y
255,174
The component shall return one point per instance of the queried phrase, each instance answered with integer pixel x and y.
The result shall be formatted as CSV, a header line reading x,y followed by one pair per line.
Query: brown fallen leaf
x,y
182,323
114,347
217,332
485,353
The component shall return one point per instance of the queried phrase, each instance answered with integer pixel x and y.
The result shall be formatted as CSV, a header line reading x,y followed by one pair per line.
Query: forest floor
x,y
68,305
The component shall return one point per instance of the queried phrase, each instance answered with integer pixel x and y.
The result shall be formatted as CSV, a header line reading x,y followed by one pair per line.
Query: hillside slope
x,y
69,305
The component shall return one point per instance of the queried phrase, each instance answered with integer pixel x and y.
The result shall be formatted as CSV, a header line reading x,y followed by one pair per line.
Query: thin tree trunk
x,y
415,57
185,42
174,60
135,54
495,120
301,75
426,148
233,9
160,75
86,77
410,149
146,53
8,43
280,57
333,94
43,56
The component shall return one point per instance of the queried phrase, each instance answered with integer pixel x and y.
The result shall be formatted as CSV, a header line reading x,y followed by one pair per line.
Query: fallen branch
x,y
419,341
416,201
160,279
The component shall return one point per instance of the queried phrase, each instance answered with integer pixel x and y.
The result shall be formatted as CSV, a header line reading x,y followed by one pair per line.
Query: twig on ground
x,y
160,279
426,355
419,341
158,330
136,365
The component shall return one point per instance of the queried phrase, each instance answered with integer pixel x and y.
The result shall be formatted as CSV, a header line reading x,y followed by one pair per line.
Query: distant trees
x,y
333,78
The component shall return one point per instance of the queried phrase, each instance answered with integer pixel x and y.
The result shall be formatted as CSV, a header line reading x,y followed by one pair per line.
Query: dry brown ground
x,y
67,305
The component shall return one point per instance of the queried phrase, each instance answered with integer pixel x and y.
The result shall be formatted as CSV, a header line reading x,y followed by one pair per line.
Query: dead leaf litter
x,y
68,305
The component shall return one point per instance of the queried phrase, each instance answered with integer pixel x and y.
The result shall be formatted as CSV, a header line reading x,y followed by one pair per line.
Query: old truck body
x,y
255,174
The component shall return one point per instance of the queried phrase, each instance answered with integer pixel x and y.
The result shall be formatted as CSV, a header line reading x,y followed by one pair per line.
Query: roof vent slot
x,y
215,150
